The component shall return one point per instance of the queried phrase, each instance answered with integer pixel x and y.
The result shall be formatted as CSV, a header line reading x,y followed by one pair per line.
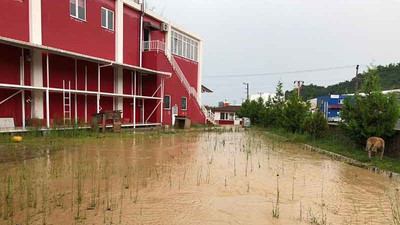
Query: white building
x,y
265,96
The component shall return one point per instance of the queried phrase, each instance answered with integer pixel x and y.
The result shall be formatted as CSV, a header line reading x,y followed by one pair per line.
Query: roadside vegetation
x,y
364,115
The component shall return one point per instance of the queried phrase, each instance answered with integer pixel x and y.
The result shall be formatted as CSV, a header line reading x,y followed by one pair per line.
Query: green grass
x,y
339,144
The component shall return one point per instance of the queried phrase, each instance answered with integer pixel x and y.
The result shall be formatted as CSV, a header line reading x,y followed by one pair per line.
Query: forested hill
x,y
389,79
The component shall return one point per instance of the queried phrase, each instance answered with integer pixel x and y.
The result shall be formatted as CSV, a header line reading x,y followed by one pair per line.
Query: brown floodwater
x,y
224,177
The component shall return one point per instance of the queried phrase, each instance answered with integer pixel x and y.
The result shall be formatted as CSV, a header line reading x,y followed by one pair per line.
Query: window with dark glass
x,y
184,103
167,102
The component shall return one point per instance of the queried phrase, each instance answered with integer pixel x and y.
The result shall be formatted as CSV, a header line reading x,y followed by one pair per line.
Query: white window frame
x,y
185,105
225,116
184,46
170,98
222,116
107,19
76,16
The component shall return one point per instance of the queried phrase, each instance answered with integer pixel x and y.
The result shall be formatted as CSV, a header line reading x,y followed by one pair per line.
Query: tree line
x,y
389,79
363,115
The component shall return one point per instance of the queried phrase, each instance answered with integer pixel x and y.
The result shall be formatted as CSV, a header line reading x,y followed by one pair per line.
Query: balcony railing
x,y
154,46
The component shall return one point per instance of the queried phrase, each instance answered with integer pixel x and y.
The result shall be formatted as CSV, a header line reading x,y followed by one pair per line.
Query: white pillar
x,y
119,80
119,31
162,100
37,81
47,91
22,82
35,21
200,69
134,100
86,115
75,95
98,87
168,38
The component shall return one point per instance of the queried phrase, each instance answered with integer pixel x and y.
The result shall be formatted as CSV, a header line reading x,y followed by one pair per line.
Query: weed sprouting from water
x,y
317,220
301,211
275,208
9,199
80,191
248,153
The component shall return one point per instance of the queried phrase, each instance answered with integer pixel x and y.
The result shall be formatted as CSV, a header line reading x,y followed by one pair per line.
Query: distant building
x,y
331,106
314,104
223,103
227,115
265,96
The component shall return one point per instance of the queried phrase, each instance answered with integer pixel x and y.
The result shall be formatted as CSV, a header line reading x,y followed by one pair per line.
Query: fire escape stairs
x,y
160,46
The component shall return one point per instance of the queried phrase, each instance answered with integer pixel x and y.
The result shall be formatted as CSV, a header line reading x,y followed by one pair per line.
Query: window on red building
x,y
167,102
184,103
107,19
78,9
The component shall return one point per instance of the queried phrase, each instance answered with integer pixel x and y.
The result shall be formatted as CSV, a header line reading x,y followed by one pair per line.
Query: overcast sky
x,y
270,36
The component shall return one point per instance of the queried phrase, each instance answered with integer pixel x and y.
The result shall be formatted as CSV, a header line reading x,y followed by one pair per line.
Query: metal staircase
x,y
161,47
67,103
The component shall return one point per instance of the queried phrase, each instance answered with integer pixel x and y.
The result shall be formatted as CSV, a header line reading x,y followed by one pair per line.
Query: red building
x,y
226,114
62,61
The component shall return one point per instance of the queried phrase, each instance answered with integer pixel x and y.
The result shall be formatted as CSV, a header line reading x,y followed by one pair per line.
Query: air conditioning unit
x,y
165,27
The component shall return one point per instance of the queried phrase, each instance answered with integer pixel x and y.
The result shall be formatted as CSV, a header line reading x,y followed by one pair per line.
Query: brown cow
x,y
374,144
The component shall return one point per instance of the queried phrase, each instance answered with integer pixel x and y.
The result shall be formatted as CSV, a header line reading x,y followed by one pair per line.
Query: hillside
x,y
389,79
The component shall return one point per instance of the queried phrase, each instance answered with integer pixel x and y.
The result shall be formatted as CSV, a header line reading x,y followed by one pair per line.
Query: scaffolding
x,y
136,75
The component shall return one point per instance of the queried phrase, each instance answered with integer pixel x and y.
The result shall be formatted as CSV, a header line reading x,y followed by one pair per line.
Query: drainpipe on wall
x,y
141,34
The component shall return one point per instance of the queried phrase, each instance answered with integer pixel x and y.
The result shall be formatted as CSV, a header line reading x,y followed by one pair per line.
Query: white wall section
x,y
35,21
37,81
119,31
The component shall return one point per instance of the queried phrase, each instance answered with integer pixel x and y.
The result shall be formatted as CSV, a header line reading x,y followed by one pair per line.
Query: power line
x,y
283,73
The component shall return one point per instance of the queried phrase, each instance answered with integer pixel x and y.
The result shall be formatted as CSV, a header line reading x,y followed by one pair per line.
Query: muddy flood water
x,y
230,177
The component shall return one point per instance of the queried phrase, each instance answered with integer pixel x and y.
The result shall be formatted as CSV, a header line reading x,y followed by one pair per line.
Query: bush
x,y
255,110
316,125
373,114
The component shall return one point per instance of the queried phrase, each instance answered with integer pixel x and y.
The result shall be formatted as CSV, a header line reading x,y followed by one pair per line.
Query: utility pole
x,y
357,67
299,85
247,91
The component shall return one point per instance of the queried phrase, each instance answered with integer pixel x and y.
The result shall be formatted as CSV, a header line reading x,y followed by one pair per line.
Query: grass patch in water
x,y
339,144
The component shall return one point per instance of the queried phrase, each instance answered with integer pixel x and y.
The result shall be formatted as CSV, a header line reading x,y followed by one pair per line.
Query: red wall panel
x,y
10,64
61,69
131,36
14,19
190,69
62,31
226,122
107,79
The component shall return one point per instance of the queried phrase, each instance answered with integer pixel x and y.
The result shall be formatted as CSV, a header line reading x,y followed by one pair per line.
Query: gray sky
x,y
268,36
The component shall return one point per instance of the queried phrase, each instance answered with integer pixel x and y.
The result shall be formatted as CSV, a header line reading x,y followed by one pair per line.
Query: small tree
x,y
295,113
316,125
374,114
276,106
